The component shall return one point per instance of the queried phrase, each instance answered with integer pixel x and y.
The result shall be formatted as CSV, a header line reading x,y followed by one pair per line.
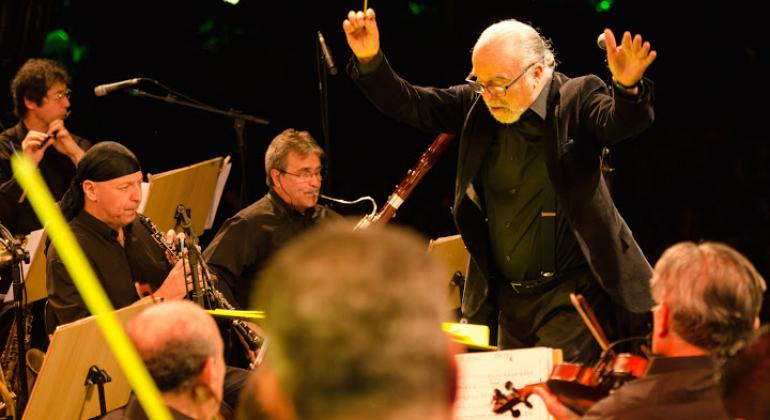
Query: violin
x,y
576,386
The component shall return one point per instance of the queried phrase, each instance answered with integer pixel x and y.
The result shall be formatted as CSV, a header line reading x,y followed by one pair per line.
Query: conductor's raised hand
x,y
629,60
362,34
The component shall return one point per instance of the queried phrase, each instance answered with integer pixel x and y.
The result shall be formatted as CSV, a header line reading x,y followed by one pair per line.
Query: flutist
x,y
41,99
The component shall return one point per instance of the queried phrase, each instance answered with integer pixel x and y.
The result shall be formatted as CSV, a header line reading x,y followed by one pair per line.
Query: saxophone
x,y
10,380
213,298
9,359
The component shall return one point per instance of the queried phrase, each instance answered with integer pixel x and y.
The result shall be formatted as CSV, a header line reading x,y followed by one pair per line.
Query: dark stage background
x,y
701,172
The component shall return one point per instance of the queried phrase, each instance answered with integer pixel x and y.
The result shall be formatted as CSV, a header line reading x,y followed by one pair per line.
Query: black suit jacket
x,y
582,118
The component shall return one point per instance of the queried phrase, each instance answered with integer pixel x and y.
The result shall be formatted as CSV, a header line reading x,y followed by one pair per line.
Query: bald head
x,y
175,339
511,40
513,63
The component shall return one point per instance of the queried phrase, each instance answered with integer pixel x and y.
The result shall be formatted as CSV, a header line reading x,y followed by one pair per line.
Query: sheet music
x,y
145,193
221,180
480,373
198,187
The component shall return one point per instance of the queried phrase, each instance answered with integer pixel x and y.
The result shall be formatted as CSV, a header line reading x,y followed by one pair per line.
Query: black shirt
x,y
245,241
116,267
513,177
57,171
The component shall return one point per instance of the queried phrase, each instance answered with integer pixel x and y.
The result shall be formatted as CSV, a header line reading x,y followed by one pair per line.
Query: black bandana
x,y
102,162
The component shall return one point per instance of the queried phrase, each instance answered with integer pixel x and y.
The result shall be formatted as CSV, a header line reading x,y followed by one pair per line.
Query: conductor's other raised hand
x,y
362,34
629,60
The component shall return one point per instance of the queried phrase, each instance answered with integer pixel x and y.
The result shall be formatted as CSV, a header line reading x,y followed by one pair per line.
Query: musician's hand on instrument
x,y
558,410
256,328
170,237
63,142
362,34
174,286
32,145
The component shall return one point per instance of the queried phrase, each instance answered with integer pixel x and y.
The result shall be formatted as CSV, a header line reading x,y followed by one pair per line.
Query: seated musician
x,y
181,347
708,301
293,173
101,208
354,332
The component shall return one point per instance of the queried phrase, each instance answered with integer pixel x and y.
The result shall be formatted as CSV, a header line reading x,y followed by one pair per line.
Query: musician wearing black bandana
x,y
246,240
101,208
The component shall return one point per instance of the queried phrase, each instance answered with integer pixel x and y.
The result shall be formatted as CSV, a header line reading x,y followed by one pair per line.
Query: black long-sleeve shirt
x,y
117,267
57,171
245,241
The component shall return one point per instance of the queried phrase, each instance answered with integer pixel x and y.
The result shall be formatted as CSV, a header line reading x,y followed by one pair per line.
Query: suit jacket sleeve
x,y
425,108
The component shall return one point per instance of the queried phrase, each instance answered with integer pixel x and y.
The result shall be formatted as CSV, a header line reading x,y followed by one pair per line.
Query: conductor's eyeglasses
x,y
495,89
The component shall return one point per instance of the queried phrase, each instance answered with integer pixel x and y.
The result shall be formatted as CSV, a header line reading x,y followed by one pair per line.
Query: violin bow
x,y
589,317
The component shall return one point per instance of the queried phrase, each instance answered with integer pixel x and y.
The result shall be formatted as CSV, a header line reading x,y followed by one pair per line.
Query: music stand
x,y
197,187
34,272
451,251
60,390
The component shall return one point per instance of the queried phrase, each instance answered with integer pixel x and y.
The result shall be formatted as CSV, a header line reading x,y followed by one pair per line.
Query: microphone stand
x,y
323,88
239,124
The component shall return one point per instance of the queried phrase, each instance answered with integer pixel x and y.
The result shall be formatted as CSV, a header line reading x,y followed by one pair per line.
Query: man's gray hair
x,y
531,46
355,323
713,292
174,339
300,142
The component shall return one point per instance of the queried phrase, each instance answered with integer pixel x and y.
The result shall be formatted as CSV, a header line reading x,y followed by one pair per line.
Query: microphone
x,y
601,42
102,90
327,55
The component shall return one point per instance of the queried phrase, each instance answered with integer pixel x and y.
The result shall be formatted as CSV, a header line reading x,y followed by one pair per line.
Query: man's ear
x,y
663,320
208,372
88,190
275,176
30,104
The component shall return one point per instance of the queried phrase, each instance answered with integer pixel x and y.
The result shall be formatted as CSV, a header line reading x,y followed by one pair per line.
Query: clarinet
x,y
215,298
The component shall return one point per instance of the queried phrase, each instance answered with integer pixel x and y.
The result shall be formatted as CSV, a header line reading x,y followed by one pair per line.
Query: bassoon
x,y
405,188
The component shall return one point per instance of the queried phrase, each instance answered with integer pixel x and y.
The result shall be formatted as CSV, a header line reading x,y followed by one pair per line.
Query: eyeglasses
x,y
61,95
306,175
494,90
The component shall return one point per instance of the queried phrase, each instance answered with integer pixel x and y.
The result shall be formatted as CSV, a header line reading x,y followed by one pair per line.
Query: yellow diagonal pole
x,y
89,287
